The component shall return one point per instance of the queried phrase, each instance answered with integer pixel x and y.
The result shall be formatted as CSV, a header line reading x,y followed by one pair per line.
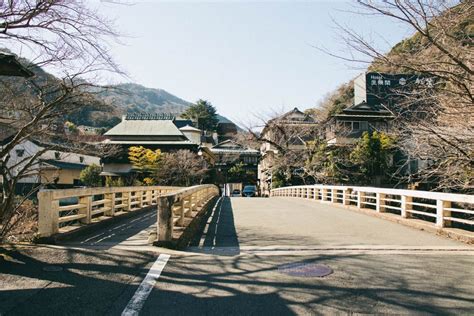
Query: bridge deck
x,y
234,266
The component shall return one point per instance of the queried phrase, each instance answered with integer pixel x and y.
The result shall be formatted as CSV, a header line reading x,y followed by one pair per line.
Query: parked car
x,y
236,192
249,191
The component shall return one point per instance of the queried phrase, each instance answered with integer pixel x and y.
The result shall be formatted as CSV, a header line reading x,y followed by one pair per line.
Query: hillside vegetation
x,y
461,29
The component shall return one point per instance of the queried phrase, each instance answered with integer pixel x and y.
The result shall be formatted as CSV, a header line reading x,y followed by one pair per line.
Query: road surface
x,y
239,265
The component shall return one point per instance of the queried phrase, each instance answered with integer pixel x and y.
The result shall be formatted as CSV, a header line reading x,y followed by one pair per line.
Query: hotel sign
x,y
376,88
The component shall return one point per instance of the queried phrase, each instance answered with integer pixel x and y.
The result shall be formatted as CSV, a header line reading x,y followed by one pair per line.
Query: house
x,y
229,154
346,127
291,131
10,66
56,168
153,131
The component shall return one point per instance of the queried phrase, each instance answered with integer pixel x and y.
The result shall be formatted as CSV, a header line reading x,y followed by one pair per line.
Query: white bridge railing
x,y
442,209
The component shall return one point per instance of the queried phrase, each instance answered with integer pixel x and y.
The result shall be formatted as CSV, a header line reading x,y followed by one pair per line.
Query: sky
x,y
248,58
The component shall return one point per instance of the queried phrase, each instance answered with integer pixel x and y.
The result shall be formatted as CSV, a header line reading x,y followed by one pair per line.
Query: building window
x,y
57,155
81,159
355,125
20,152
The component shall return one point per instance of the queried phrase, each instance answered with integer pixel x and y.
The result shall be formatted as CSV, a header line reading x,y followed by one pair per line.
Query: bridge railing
x,y
65,210
177,209
442,209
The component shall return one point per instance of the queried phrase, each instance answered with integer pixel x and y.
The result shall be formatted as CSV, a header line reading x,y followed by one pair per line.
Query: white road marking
x,y
213,213
95,236
139,298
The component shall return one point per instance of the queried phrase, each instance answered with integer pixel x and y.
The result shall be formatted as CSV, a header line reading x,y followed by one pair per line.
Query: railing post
x,y
345,200
405,200
360,196
380,202
440,206
148,197
333,195
181,212
127,200
324,193
187,204
87,209
165,218
111,197
47,214
140,198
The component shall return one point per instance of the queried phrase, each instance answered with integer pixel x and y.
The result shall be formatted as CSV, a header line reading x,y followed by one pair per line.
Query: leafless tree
x,y
182,167
283,143
436,123
61,35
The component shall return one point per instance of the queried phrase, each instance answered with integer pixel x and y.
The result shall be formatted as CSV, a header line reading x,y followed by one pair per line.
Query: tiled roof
x,y
10,66
148,127
65,165
149,116
188,128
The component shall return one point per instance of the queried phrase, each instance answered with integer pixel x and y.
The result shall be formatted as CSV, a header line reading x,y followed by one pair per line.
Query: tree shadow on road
x,y
218,234
134,231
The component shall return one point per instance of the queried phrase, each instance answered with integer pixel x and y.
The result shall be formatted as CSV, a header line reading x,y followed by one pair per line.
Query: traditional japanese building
x,y
230,153
153,131
346,127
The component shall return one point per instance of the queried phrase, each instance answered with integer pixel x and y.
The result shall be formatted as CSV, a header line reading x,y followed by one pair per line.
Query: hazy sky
x,y
245,57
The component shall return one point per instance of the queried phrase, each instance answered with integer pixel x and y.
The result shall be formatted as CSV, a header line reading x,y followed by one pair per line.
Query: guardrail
x,y
65,210
177,209
442,209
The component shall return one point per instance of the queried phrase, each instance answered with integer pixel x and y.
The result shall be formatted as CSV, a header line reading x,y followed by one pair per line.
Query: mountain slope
x,y
131,97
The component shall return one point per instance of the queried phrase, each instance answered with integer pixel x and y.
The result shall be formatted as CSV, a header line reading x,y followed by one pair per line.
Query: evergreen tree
x,y
204,114
90,176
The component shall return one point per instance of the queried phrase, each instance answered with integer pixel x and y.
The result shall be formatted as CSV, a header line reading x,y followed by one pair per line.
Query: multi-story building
x,y
346,127
291,131
229,154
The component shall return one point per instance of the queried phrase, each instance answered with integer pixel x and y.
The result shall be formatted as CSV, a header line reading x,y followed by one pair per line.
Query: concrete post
x,y
187,203
440,205
360,196
140,199
165,218
345,197
111,204
181,213
87,209
148,197
380,203
446,213
324,193
47,214
333,195
404,205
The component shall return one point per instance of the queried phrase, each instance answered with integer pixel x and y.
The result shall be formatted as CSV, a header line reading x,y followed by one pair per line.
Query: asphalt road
x,y
238,265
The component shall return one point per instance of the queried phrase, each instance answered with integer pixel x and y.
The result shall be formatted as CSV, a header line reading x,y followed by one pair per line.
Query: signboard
x,y
380,88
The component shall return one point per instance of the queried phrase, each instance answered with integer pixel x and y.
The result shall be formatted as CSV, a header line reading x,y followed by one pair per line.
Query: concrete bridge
x,y
255,256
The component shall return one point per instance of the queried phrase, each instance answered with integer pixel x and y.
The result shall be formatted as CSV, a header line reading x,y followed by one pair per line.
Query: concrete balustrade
x,y
443,209
64,210
177,209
